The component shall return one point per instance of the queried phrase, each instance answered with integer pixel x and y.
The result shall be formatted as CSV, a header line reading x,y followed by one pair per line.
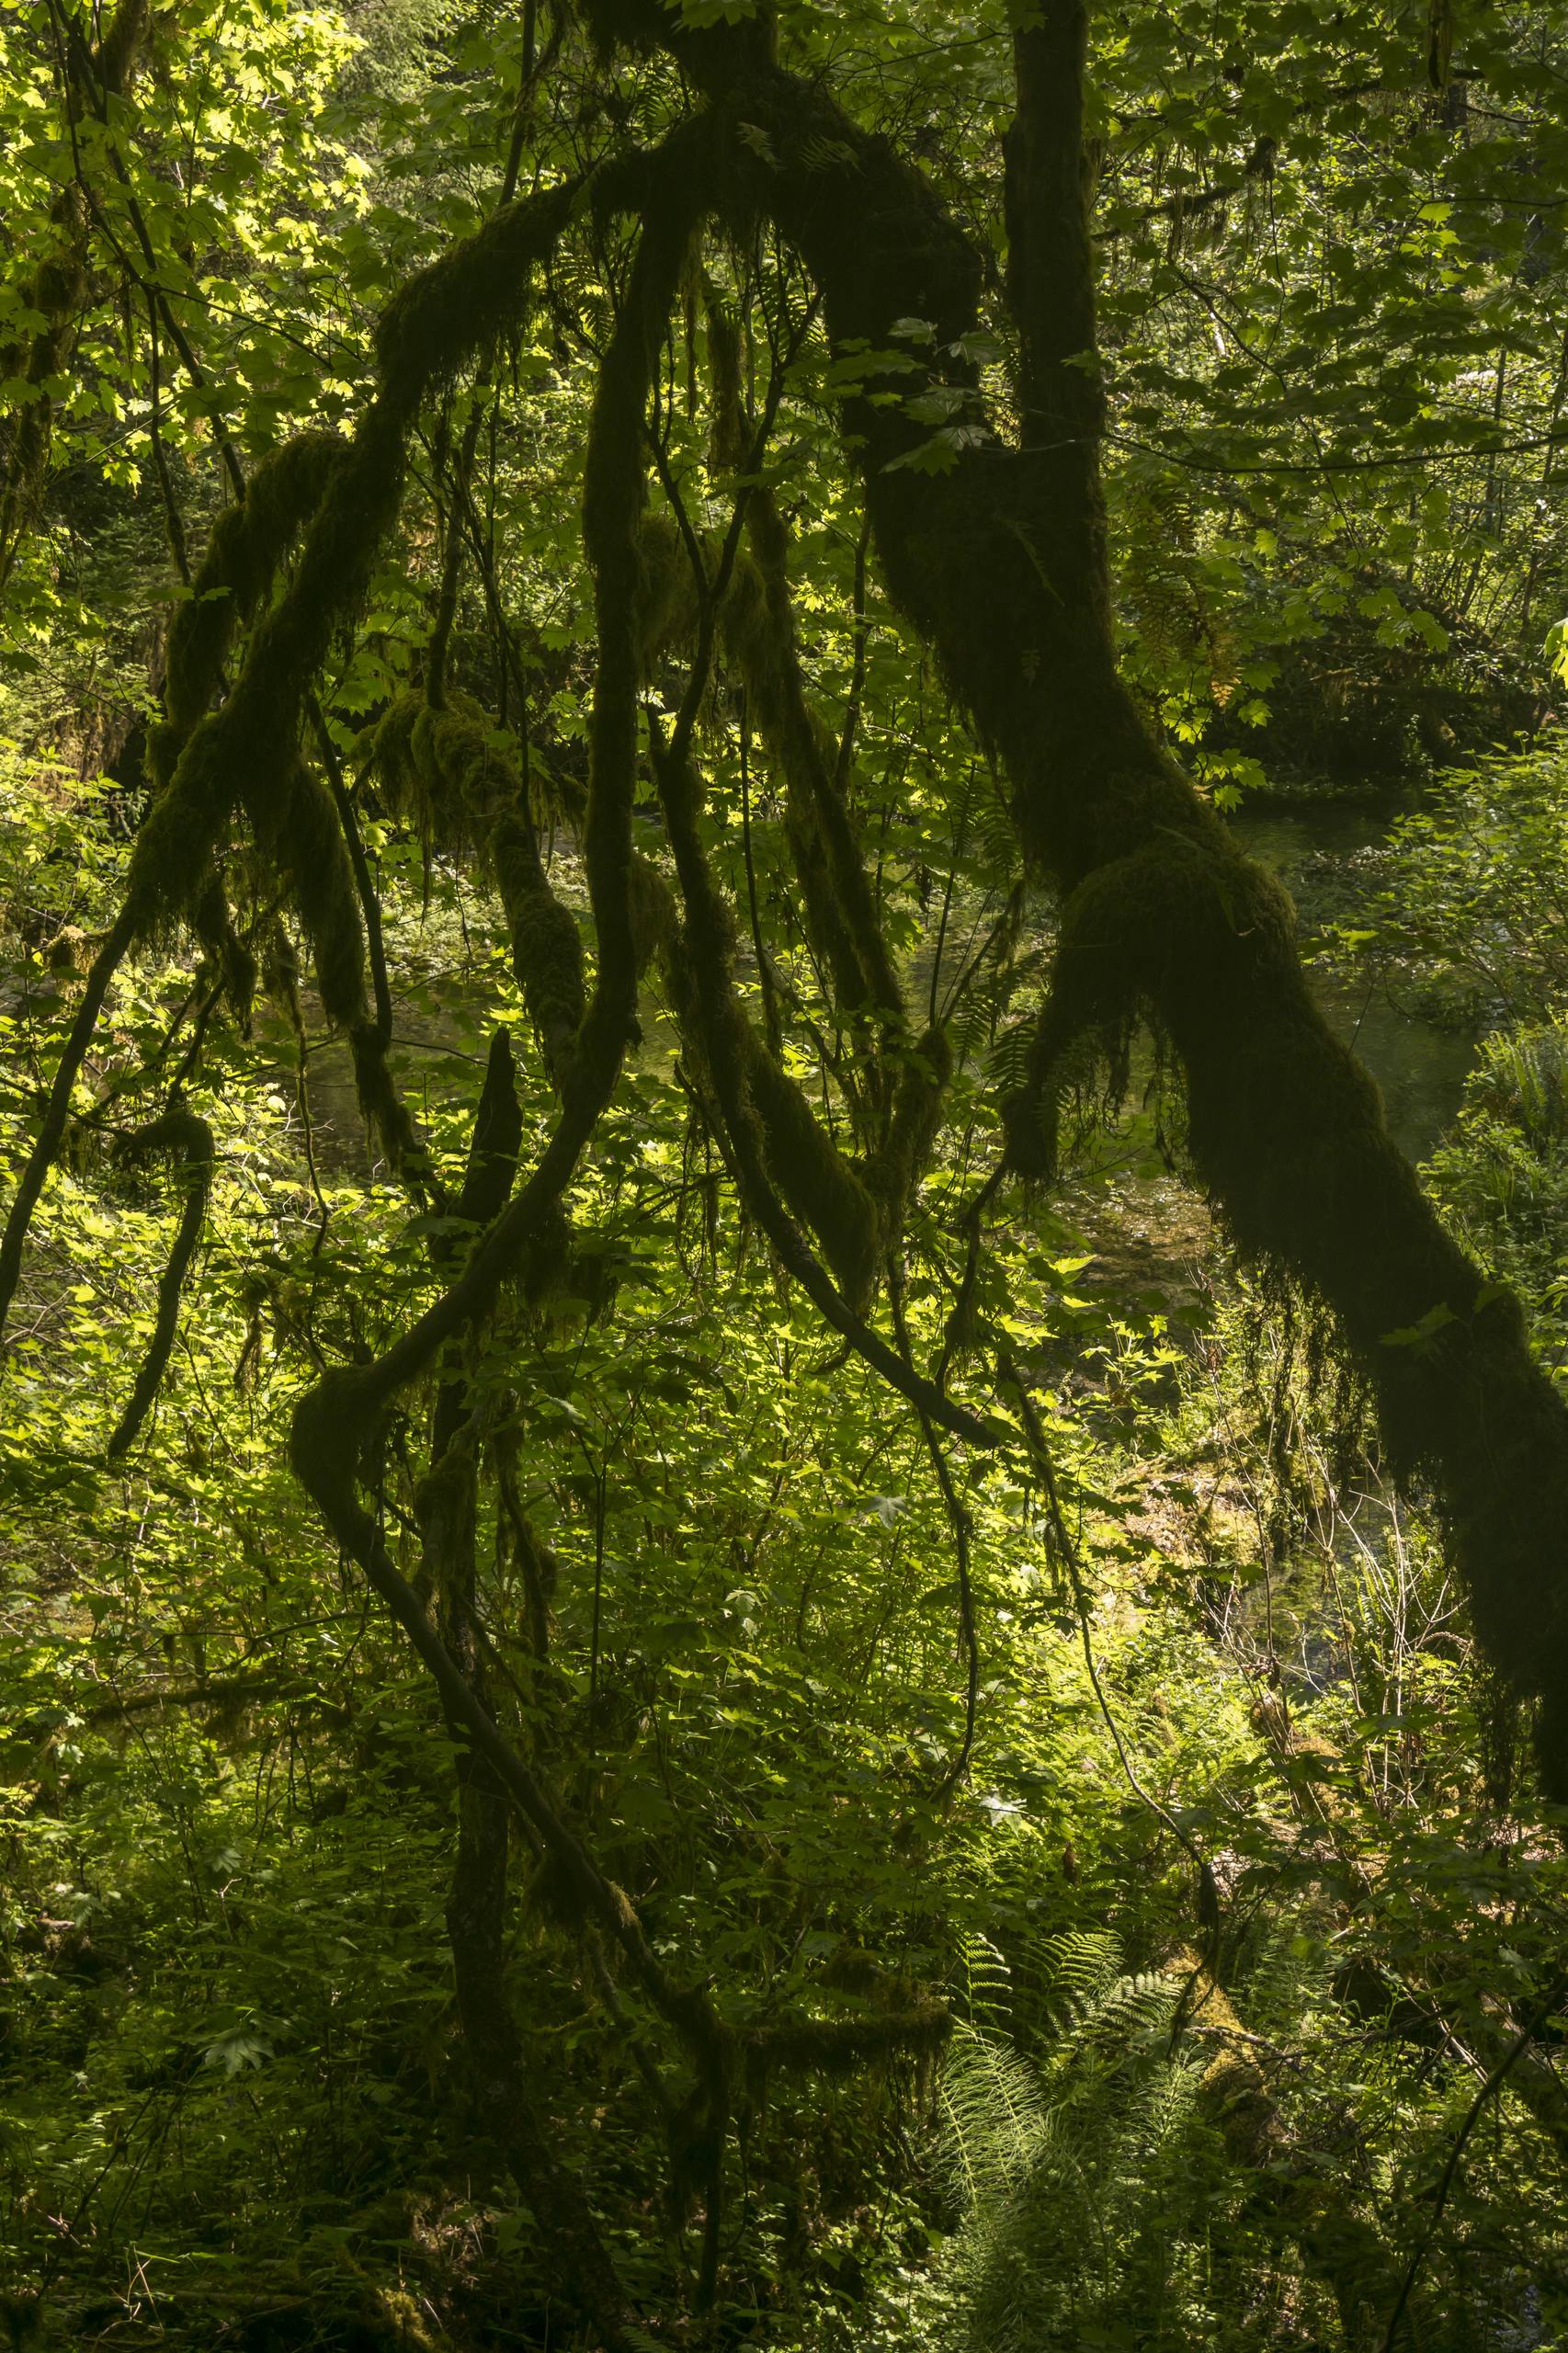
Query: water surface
x,y
1323,850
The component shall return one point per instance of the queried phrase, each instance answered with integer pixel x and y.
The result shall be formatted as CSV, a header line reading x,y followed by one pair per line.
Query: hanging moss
x,y
447,771
178,1136
891,1172
249,747
614,492
667,591
726,379
297,827
999,563
120,45
248,545
854,1210
247,751
333,1420
546,950
392,752
756,623
172,859
820,1185
226,952
414,784
838,2047
702,981
650,909
762,632
385,1113
467,300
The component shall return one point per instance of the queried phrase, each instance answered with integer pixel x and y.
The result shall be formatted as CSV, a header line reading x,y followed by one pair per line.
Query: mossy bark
x,y
445,766
1297,2200
178,1135
854,1205
1000,566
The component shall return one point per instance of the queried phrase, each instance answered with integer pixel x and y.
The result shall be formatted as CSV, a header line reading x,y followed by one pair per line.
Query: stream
x,y
1147,1229
1313,844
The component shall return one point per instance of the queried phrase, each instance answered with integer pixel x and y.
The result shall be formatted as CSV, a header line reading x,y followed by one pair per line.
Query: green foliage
x,y
1084,2178
905,1754
1476,912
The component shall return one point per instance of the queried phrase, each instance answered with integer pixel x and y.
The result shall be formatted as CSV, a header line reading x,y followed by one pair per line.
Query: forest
x,y
784,1175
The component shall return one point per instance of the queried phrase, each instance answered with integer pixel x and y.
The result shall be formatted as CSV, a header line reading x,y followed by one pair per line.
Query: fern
x,y
1077,2174
991,2114
1135,2007
987,1991
1083,1966
986,998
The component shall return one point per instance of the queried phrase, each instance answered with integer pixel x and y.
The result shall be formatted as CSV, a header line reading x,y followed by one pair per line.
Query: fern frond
x,y
1008,1064
987,1993
1085,1964
992,2115
1140,2004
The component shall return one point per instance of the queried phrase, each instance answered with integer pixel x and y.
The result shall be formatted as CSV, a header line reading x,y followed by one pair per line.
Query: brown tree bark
x,y
999,564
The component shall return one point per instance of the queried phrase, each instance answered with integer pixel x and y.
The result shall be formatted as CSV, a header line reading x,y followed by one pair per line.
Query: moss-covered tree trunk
x,y
1000,564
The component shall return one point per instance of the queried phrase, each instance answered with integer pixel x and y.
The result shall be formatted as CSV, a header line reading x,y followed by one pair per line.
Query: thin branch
x,y
1487,2091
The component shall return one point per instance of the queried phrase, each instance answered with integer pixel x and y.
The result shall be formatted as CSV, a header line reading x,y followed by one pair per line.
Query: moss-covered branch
x,y
735,1059
247,754
854,1206
446,1504
334,1421
998,564
1297,2199
181,1137
248,545
449,768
